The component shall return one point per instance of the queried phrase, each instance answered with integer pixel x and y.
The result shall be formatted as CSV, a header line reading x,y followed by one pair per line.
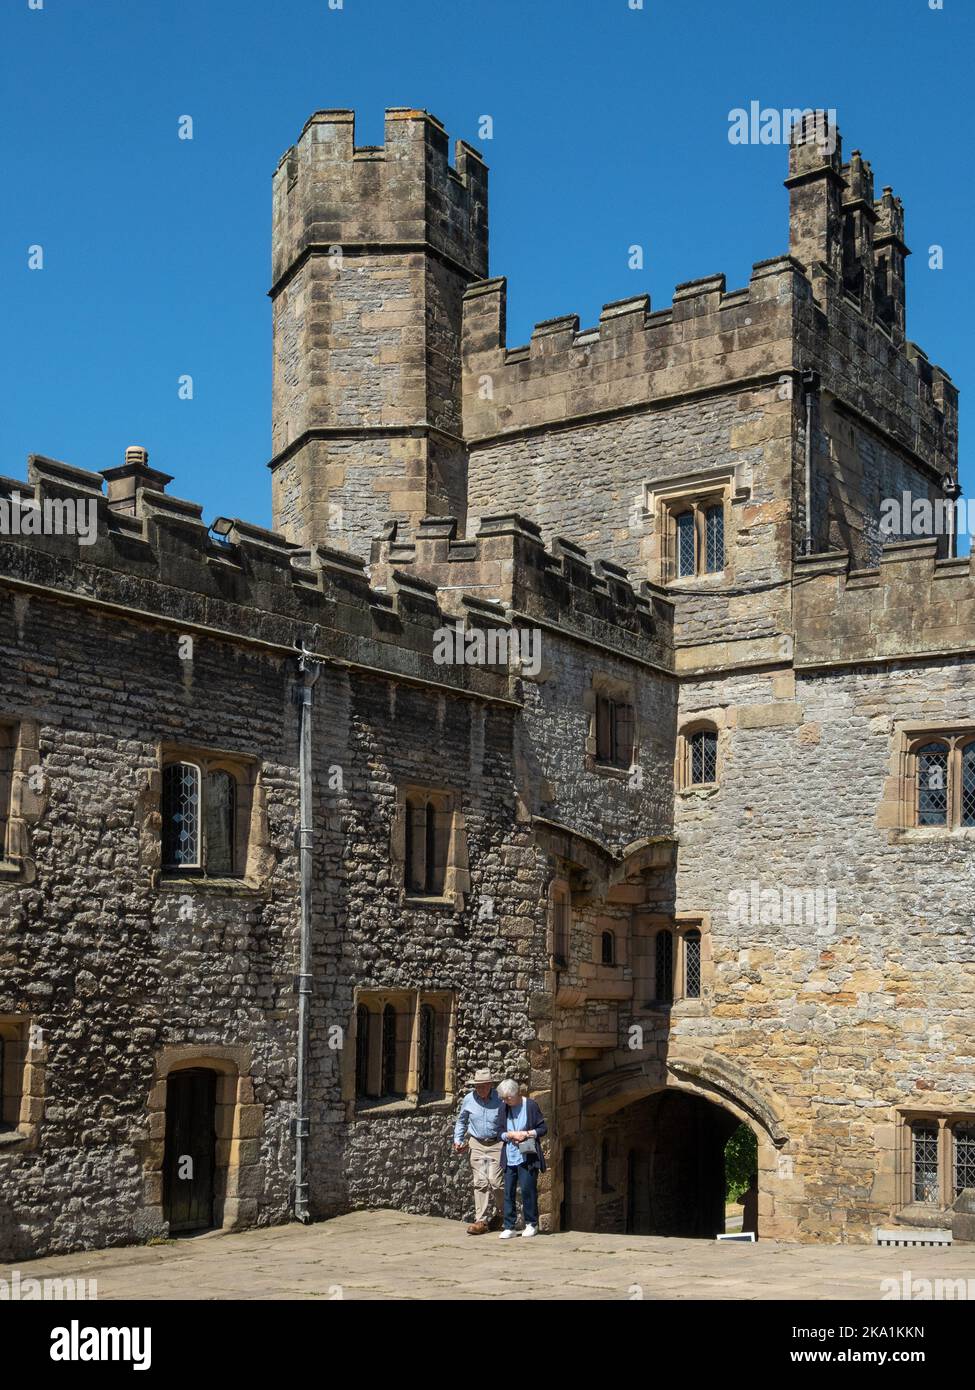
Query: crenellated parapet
x,y
707,339
506,565
147,557
912,605
372,250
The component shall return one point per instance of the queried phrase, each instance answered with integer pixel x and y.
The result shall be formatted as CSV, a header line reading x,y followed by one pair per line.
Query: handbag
x,y
529,1146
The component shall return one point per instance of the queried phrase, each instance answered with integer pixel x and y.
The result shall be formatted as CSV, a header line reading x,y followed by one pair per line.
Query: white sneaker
x,y
530,1231
509,1235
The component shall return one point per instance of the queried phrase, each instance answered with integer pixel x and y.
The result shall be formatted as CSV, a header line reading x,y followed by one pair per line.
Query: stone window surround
x,y
251,848
407,1004
680,924
25,1063
26,799
239,1123
898,809
946,1121
664,500
604,686
457,881
713,721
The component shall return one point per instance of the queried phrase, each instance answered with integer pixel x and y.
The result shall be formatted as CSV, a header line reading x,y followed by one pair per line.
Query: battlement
x,y
330,193
152,558
834,304
507,564
913,604
707,337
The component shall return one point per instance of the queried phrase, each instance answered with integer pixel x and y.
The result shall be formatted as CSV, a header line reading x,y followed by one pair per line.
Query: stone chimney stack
x,y
134,476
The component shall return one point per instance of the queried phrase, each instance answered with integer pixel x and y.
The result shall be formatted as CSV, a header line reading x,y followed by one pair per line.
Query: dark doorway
x,y
188,1164
676,1165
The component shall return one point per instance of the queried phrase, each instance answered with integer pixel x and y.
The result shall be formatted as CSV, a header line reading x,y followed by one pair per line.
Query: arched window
x,y
362,1050
692,964
608,948
425,1049
932,784
388,1078
665,966
181,847
199,818
703,751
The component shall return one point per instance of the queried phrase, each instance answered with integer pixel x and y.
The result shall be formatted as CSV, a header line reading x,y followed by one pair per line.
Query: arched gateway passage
x,y
656,1140
675,1164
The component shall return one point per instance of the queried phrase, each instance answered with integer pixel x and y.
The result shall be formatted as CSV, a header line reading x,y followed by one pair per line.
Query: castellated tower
x,y
372,251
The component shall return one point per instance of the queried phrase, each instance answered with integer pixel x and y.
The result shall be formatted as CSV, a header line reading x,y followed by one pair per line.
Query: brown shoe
x,y
479,1228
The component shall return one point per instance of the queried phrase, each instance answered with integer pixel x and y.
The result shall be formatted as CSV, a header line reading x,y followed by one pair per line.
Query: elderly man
x,y
479,1124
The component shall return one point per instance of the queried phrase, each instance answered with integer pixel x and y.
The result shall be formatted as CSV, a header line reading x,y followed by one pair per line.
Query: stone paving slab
x,y
392,1255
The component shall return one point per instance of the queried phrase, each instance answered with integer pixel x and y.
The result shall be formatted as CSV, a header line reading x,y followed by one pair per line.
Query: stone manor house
x,y
694,850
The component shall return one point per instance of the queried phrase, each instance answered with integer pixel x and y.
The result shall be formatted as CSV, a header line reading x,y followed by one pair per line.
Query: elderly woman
x,y
522,1126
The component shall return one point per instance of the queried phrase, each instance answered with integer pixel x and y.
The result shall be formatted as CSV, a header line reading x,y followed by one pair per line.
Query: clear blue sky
x,y
610,128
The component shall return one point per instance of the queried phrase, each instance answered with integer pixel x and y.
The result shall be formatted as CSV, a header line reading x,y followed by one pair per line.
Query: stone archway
x,y
651,1140
238,1123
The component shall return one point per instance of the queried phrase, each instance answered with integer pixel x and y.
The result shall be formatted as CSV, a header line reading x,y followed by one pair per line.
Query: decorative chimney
x,y
134,476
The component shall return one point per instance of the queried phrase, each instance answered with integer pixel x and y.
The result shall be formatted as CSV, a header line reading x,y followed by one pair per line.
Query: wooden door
x,y
188,1165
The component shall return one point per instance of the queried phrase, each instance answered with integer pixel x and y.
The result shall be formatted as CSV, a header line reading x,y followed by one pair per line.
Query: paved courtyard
x,y
388,1254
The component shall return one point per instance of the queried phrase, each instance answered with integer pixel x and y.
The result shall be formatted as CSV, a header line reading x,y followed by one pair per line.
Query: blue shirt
x,y
481,1119
517,1119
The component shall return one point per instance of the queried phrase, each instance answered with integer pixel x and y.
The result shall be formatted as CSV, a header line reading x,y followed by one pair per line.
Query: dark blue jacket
x,y
536,1121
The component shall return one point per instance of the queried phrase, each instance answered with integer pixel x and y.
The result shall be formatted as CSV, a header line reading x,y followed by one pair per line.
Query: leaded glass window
x,y
964,1137
924,1140
692,964
685,544
181,816
665,966
968,784
932,784
714,539
704,756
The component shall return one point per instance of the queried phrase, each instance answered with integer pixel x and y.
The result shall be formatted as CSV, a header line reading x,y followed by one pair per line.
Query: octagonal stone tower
x,y
372,251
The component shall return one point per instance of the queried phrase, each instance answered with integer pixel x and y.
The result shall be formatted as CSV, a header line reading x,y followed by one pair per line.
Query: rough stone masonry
x,y
602,872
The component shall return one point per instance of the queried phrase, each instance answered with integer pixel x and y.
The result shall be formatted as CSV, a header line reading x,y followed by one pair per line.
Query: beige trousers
x,y
488,1181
